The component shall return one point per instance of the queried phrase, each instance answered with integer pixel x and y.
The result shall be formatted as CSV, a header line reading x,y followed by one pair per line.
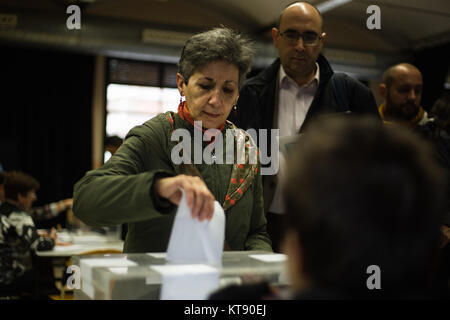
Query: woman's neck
x,y
186,116
15,203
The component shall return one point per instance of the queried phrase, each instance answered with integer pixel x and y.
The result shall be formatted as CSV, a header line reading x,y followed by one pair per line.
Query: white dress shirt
x,y
293,105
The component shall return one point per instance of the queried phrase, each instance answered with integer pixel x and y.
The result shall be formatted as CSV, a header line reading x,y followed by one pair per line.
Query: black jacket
x,y
257,103
337,93
18,237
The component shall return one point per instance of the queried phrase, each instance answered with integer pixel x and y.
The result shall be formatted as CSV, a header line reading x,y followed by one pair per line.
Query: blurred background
x,y
63,91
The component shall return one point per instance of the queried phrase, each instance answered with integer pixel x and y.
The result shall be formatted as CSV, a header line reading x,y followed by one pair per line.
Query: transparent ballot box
x,y
150,276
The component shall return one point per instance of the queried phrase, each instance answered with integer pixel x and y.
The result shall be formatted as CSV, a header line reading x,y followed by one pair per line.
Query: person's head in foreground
x,y
212,68
362,196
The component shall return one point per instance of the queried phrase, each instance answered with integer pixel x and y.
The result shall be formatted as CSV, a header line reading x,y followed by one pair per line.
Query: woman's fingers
x,y
205,207
198,197
206,210
210,208
186,184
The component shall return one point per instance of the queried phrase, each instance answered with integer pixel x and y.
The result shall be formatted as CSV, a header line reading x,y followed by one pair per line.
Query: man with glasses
x,y
298,86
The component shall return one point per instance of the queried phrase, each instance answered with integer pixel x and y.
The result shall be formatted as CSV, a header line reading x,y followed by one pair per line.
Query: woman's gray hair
x,y
216,44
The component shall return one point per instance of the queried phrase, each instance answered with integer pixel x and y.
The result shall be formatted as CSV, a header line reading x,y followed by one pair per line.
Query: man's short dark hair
x,y
359,194
17,182
390,73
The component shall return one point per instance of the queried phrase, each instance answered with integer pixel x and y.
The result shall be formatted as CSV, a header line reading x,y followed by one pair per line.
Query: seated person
x,y
360,197
18,234
45,212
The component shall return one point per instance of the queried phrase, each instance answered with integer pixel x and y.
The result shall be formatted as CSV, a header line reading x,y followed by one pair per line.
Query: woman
x,y
18,234
140,184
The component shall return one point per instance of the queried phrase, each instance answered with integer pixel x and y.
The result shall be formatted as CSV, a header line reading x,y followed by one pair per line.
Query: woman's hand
x,y
198,197
54,236
67,203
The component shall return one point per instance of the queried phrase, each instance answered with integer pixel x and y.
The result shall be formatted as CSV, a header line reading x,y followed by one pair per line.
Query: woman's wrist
x,y
160,203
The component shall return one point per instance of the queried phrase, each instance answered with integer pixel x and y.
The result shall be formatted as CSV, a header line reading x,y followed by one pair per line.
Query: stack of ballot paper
x,y
87,265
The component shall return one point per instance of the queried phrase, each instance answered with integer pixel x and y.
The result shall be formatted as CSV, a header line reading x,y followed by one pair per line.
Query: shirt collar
x,y
285,79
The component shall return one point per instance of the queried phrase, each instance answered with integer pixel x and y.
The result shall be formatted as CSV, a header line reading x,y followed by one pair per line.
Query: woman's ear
x,y
180,83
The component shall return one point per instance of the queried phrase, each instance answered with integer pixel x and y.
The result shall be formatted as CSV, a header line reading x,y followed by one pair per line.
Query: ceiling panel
x,y
405,24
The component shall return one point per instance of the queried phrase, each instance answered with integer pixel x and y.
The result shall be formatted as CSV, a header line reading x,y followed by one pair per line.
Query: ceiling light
x,y
330,5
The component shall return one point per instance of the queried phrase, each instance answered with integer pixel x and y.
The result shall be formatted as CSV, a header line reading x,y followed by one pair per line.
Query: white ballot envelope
x,y
195,242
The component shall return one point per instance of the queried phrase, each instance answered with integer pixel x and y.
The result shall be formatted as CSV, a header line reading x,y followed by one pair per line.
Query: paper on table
x,y
192,241
67,248
64,237
88,239
119,270
158,255
187,282
273,257
86,265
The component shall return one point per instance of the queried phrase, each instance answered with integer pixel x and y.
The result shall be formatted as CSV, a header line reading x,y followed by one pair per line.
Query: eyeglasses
x,y
310,39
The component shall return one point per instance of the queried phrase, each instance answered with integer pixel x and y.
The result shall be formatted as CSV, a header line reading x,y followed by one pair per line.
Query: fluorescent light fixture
x,y
330,5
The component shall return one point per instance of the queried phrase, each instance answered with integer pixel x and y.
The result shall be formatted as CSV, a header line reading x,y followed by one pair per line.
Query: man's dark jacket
x,y
337,93
257,98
